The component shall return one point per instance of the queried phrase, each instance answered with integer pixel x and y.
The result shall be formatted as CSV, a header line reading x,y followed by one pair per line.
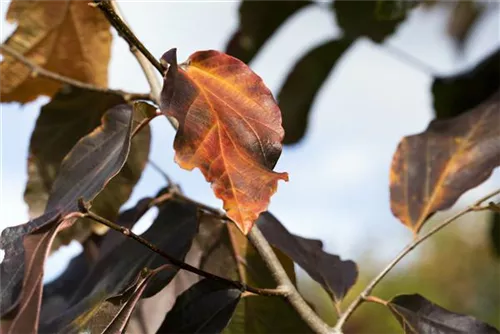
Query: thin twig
x,y
418,240
37,70
280,276
84,209
124,31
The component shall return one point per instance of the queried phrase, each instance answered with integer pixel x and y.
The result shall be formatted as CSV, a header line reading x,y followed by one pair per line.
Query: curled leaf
x,y
229,127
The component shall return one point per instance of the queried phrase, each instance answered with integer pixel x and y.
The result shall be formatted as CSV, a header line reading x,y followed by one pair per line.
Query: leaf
x,y
116,271
363,18
334,275
454,95
418,315
462,19
66,37
89,166
60,125
495,233
389,10
206,307
56,294
226,251
303,83
229,127
258,22
431,170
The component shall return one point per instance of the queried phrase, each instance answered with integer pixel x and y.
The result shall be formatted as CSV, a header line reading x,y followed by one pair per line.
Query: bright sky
x,y
338,190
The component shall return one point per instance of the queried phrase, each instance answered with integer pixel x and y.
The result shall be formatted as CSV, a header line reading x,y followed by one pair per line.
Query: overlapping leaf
x,y
334,275
206,307
227,252
64,36
418,315
258,22
431,170
454,95
84,172
61,124
229,127
116,271
303,84
367,18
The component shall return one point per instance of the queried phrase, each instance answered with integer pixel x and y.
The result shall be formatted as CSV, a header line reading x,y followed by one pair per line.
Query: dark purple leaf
x,y
206,307
456,94
366,18
116,271
258,22
335,275
418,315
303,83
85,171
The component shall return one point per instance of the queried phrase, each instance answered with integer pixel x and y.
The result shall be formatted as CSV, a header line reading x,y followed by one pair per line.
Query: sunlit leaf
x,y
363,18
116,271
229,128
226,251
454,95
258,22
431,170
68,37
335,275
61,124
303,84
206,307
418,315
89,166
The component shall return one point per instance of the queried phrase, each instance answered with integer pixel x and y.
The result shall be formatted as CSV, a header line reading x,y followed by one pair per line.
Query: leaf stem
x,y
417,241
84,209
106,6
37,70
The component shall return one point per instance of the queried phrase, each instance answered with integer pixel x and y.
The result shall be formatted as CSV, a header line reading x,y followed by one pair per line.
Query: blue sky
x,y
338,188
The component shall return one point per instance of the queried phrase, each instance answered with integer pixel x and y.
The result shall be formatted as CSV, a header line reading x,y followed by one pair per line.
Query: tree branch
x,y
84,209
37,70
279,274
417,241
109,10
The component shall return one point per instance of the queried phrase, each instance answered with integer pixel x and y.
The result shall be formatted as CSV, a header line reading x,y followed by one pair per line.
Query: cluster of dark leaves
x,y
98,161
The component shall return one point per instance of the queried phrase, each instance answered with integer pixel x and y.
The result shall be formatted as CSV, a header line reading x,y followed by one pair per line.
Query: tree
x,y
91,144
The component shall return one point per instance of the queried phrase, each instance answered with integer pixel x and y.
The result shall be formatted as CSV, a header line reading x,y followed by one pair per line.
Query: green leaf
x,y
366,19
258,22
495,233
60,125
303,84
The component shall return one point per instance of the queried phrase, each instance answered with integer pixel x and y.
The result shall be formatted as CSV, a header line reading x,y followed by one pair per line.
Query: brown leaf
x,y
431,170
67,37
62,122
229,127
462,19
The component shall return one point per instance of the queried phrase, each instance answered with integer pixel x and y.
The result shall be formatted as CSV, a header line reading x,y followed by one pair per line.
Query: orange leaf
x,y
229,127
67,37
431,170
